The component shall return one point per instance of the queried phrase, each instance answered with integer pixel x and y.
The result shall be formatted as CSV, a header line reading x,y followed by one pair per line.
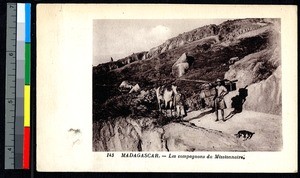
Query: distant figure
x,y
111,59
204,95
179,99
219,103
237,102
202,100
168,96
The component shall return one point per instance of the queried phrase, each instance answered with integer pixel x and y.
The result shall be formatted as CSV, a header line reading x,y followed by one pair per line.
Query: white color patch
x,y
20,13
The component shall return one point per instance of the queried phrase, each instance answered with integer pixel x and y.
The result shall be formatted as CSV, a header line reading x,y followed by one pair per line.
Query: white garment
x,y
221,90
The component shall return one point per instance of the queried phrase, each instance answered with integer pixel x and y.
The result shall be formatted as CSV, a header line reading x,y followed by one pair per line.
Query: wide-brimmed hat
x,y
218,80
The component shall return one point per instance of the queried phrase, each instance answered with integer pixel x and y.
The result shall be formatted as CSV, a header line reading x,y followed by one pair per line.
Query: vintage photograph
x,y
187,85
166,88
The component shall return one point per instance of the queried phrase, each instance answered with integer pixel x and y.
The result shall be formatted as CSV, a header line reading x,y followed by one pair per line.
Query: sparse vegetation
x,y
210,62
119,117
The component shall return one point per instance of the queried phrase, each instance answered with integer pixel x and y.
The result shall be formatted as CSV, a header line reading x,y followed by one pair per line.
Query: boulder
x,y
135,88
125,85
180,67
233,60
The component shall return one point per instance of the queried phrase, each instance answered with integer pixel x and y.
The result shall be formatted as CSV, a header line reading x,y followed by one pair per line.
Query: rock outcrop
x,y
106,67
127,134
180,67
265,96
185,38
261,72
135,88
188,137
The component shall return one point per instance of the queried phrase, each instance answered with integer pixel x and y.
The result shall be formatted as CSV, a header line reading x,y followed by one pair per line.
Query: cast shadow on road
x,y
238,102
200,115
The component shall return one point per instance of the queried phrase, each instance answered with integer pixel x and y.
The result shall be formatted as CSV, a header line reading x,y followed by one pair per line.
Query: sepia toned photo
x,y
166,88
187,85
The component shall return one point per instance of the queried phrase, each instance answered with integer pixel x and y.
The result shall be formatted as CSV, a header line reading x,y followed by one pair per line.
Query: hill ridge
x,y
222,31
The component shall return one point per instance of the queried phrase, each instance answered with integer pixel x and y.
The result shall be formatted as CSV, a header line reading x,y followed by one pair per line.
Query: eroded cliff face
x,y
261,72
127,134
265,96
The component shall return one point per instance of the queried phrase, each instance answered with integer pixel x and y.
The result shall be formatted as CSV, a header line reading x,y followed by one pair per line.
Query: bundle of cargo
x,y
208,91
230,85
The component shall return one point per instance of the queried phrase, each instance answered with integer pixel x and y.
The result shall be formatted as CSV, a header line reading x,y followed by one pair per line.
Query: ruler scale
x,y
10,90
17,91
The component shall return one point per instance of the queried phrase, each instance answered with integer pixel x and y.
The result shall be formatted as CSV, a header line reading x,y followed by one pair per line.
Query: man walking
x,y
219,102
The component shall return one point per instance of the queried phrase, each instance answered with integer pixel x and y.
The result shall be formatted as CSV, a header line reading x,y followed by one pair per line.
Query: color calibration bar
x,y
18,88
26,140
20,82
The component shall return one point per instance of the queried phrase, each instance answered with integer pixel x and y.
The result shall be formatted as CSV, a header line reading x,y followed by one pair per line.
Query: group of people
x,y
170,97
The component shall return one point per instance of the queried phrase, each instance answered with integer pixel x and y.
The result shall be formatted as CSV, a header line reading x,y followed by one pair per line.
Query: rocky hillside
x,y
261,71
246,50
227,31
209,48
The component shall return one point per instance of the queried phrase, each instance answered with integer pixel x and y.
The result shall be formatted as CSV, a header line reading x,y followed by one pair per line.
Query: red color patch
x,y
26,148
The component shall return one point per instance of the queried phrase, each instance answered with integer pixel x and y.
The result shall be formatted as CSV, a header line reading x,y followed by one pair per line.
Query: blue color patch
x,y
27,22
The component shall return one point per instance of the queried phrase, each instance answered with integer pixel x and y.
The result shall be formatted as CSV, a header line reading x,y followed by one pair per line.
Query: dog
x,y
245,134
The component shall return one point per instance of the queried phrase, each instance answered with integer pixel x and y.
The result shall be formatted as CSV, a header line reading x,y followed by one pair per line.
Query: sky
x,y
118,38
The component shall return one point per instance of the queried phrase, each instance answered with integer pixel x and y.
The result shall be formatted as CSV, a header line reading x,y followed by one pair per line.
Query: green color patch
x,y
27,63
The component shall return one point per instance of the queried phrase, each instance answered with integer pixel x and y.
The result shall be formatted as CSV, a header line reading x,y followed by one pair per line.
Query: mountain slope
x,y
247,50
211,47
